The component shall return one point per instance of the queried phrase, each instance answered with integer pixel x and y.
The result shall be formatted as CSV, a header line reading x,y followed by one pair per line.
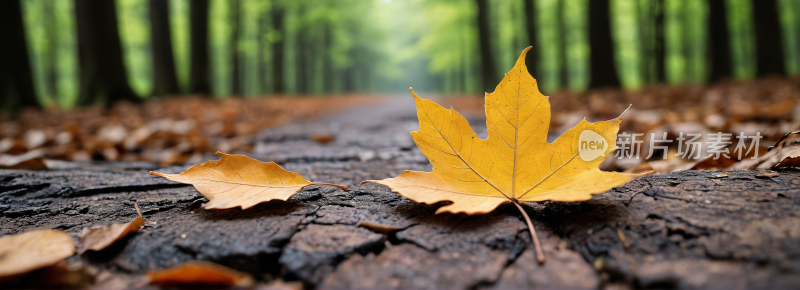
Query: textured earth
x,y
685,230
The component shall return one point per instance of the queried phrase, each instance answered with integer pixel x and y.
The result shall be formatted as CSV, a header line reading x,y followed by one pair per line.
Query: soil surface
x,y
686,230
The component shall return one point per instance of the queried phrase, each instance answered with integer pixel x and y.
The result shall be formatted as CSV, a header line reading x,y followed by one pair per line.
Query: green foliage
x,y
134,33
627,42
180,32
684,43
385,45
52,45
740,27
576,43
789,13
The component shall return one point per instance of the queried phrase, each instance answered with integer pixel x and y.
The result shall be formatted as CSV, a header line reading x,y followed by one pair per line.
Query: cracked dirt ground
x,y
680,230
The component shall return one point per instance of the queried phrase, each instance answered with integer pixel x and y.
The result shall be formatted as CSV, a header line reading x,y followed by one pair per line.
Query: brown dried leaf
x,y
770,174
241,181
97,239
323,138
200,273
791,158
785,152
28,251
30,160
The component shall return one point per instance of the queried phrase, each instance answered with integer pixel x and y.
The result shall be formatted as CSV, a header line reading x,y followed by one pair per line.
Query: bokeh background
x,y
194,75
65,53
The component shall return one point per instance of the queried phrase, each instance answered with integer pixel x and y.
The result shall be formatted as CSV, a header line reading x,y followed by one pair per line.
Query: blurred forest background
x,y
66,53
98,75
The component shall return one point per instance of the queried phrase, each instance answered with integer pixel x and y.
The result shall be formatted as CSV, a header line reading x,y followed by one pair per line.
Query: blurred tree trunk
x,y
16,78
719,50
261,55
276,16
532,58
603,69
327,62
660,66
165,81
488,76
651,29
562,29
51,75
199,72
236,77
769,49
103,78
301,79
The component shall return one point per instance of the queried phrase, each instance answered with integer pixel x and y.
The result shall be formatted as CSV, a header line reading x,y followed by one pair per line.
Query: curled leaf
x,y
241,181
200,273
97,239
28,251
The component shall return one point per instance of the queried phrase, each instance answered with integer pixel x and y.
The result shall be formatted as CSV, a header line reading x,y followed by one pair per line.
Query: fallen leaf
x,y
28,251
97,239
323,138
31,160
770,174
515,163
378,227
241,181
723,175
791,158
200,273
721,163
785,152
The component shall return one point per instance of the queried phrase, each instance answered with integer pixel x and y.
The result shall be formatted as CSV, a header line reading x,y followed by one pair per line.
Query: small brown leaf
x,y
200,273
28,251
30,160
770,174
791,158
97,239
323,138
785,152
378,227
241,181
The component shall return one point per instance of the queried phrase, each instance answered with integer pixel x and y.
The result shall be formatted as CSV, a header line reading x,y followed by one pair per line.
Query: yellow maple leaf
x,y
515,162
241,181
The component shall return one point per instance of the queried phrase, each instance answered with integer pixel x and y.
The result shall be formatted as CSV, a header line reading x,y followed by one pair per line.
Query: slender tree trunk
x,y
532,58
488,75
277,50
16,78
327,62
719,51
236,75
165,81
603,68
261,55
301,79
659,52
561,26
103,78
769,49
51,75
200,72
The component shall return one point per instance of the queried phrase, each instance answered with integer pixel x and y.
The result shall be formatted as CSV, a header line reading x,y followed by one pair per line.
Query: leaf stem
x,y
537,246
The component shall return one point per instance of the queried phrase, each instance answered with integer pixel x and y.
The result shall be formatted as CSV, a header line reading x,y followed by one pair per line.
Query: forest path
x,y
683,230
